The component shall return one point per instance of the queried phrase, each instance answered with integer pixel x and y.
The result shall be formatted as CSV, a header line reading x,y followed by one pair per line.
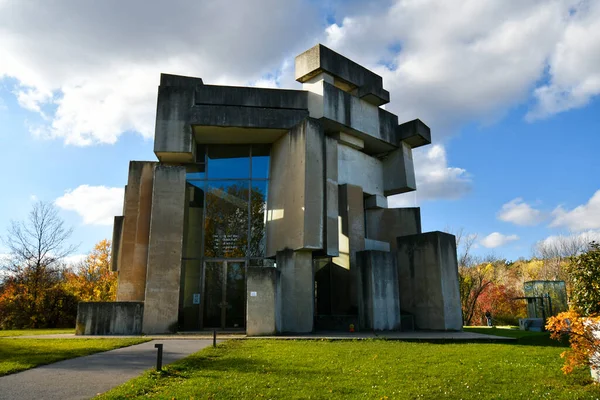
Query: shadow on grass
x,y
524,338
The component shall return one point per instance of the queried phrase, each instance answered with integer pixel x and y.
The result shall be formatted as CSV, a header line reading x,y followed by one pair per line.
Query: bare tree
x,y
555,251
38,242
33,273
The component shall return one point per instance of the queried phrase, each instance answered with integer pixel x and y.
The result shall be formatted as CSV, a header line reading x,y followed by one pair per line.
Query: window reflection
x,y
228,161
258,206
226,223
260,161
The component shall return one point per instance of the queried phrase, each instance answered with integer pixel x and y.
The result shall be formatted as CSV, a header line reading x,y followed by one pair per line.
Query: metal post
x,y
159,346
215,338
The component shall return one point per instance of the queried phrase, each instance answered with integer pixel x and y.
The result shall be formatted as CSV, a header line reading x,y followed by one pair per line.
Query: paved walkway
x,y
85,377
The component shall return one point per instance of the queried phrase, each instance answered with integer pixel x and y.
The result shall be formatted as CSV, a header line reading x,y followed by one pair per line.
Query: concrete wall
x,y
296,202
428,280
165,249
399,171
261,301
136,232
381,299
116,318
360,169
386,224
296,285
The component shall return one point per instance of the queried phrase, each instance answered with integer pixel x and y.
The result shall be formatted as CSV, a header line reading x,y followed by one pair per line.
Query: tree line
x,y
37,287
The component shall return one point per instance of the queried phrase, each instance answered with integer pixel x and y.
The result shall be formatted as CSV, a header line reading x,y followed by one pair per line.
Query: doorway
x,y
224,294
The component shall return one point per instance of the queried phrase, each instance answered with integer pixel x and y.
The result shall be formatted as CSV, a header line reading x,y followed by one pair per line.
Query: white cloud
x,y
583,217
435,179
74,259
497,239
94,74
519,212
463,60
97,205
574,64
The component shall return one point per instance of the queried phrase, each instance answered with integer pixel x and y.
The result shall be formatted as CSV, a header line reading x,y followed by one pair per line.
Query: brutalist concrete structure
x,y
267,212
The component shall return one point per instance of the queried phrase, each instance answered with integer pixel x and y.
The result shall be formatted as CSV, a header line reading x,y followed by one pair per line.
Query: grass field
x,y
21,354
28,332
371,369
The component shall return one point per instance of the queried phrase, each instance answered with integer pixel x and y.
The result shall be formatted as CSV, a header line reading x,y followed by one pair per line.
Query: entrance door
x,y
225,294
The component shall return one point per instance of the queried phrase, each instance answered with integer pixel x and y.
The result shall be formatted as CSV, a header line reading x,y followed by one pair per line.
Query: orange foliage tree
x,y
92,279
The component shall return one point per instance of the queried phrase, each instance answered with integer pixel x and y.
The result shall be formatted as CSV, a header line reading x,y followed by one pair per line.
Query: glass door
x,y
225,294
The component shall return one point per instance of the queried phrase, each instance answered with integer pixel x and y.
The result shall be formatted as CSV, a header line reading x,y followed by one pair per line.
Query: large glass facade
x,y
224,233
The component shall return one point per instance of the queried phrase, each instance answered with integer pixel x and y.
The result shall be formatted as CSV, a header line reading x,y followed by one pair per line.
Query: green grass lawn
x,y
523,337
371,369
21,354
28,332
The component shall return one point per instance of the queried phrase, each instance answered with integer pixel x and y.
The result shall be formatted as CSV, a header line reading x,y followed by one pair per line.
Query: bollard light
x,y
159,346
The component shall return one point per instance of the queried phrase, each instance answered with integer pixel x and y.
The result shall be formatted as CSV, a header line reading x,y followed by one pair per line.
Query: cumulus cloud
x,y
91,69
574,64
583,217
567,244
435,179
497,239
97,205
448,70
519,212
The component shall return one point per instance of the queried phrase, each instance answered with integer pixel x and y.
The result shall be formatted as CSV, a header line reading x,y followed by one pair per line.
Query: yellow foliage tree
x,y
92,279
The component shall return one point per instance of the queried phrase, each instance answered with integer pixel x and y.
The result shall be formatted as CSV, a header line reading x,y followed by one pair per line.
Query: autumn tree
x,y
92,279
31,293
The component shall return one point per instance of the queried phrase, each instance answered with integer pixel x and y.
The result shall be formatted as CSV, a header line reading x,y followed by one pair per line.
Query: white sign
x,y
196,298
252,294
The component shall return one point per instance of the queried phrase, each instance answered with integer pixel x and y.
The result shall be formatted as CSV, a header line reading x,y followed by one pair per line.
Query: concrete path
x,y
85,377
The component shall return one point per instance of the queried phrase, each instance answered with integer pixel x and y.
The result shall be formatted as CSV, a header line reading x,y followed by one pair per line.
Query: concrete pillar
x,y
115,252
381,298
351,240
331,198
387,224
296,202
164,255
136,232
428,280
261,301
296,285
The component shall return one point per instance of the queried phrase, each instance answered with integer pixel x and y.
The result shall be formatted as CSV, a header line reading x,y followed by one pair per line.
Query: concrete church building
x,y
267,212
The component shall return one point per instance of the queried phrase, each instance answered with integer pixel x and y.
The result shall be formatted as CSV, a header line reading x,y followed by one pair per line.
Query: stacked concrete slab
x,y
335,157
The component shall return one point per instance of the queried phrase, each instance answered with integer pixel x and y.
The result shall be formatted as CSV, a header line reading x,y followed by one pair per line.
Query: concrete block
x,y
428,280
375,202
399,171
414,133
251,97
347,113
246,117
173,141
136,232
387,224
380,293
165,250
371,244
360,169
350,75
296,198
116,243
349,140
261,288
115,318
296,285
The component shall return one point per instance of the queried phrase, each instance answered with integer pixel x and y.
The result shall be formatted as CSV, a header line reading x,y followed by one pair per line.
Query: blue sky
x,y
509,88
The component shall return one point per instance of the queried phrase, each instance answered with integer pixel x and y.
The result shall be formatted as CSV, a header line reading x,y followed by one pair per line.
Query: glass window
x,y
228,161
192,240
260,161
258,206
226,224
